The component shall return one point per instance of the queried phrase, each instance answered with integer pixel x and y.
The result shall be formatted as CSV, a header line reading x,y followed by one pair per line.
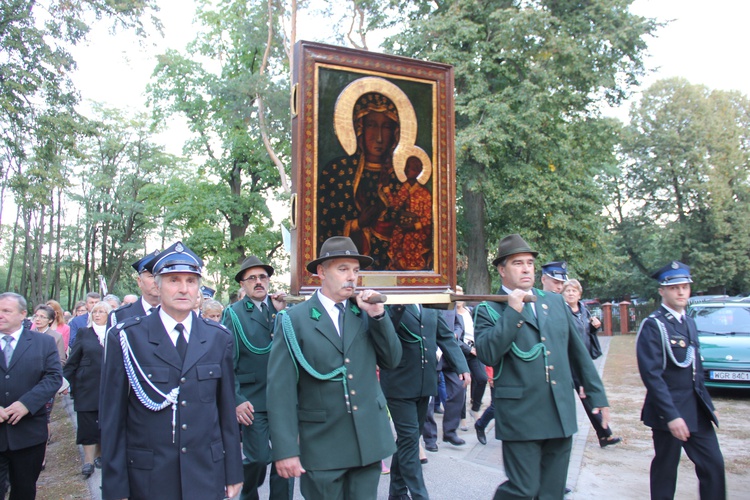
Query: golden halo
x,y
343,124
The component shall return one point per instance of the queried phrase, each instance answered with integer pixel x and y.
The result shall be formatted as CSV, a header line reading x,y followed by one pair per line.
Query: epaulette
x,y
127,322
215,324
124,306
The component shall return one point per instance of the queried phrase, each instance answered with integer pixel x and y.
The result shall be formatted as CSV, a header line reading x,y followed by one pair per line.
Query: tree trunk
x,y
478,280
12,251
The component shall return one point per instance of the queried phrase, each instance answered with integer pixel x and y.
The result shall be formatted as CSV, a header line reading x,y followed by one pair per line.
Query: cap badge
x,y
675,265
180,248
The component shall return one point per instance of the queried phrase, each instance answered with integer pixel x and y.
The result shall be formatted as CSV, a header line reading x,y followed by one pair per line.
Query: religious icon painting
x,y
373,159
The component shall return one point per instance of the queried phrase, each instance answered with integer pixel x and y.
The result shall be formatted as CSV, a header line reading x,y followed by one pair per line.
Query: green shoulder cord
x,y
239,334
296,352
414,339
526,356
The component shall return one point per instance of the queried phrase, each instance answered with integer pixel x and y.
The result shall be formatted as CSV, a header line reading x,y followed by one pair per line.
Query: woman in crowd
x,y
44,318
587,325
60,324
79,309
83,371
212,309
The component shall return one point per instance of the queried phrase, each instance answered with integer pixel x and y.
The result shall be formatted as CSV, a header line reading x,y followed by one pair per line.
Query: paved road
x,y
469,472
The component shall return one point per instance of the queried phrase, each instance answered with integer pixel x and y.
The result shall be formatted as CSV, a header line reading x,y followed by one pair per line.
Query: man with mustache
x,y
251,320
328,416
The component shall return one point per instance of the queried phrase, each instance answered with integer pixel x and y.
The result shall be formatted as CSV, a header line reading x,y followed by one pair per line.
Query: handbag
x,y
595,348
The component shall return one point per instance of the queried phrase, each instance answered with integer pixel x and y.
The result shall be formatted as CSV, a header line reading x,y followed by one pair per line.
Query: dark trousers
x,y
595,419
355,483
478,381
486,417
408,417
454,387
429,429
535,469
21,469
702,449
257,451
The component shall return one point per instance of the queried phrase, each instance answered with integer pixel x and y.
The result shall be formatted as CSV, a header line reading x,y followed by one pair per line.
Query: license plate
x,y
723,375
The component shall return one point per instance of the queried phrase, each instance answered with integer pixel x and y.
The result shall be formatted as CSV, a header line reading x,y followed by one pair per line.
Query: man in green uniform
x,y
251,321
327,413
532,347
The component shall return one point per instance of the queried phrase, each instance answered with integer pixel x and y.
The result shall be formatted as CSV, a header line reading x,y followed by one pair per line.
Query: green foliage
x,y
530,144
683,192
216,84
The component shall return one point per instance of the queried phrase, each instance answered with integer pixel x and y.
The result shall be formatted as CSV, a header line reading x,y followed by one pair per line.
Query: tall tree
x,y
685,180
529,138
232,86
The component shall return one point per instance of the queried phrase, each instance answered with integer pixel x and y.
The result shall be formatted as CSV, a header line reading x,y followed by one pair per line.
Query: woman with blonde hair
x,y
83,371
588,325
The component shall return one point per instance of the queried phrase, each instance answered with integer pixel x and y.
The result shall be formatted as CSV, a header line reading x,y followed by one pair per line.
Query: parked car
x,y
724,333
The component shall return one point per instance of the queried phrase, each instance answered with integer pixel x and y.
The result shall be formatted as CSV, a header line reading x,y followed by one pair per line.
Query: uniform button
x,y
554,383
184,450
520,324
347,360
543,339
354,408
211,373
353,392
549,352
184,427
350,376
7,394
184,403
183,380
149,375
7,377
551,367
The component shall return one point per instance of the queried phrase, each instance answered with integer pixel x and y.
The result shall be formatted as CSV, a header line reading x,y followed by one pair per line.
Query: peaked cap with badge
x,y
674,273
338,247
177,259
145,263
557,270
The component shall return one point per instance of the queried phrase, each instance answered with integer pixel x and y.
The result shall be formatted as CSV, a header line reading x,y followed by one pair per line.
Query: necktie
x,y
8,349
181,342
264,310
342,310
151,310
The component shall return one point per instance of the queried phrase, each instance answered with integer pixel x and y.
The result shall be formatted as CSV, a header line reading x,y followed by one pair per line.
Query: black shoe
x,y
87,470
438,410
431,447
568,490
98,462
481,436
423,460
606,441
399,497
454,440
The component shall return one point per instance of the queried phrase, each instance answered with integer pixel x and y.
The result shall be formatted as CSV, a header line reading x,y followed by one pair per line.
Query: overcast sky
x,y
704,42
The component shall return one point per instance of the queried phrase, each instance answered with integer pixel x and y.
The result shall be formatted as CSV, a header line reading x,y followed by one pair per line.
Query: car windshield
x,y
722,320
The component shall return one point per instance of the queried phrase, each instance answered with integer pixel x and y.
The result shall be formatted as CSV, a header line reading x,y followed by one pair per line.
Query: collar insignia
x,y
315,314
355,309
249,305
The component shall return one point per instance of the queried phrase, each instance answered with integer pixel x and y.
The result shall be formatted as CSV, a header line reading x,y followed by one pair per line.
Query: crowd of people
x,y
177,396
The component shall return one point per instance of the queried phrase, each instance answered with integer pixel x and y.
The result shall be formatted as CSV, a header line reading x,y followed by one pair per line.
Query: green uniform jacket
x,y
308,417
527,406
416,375
251,369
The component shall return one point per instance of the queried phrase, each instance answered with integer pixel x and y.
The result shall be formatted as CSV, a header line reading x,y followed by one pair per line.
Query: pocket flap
x,y
311,415
217,450
208,371
246,378
155,373
508,392
139,458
